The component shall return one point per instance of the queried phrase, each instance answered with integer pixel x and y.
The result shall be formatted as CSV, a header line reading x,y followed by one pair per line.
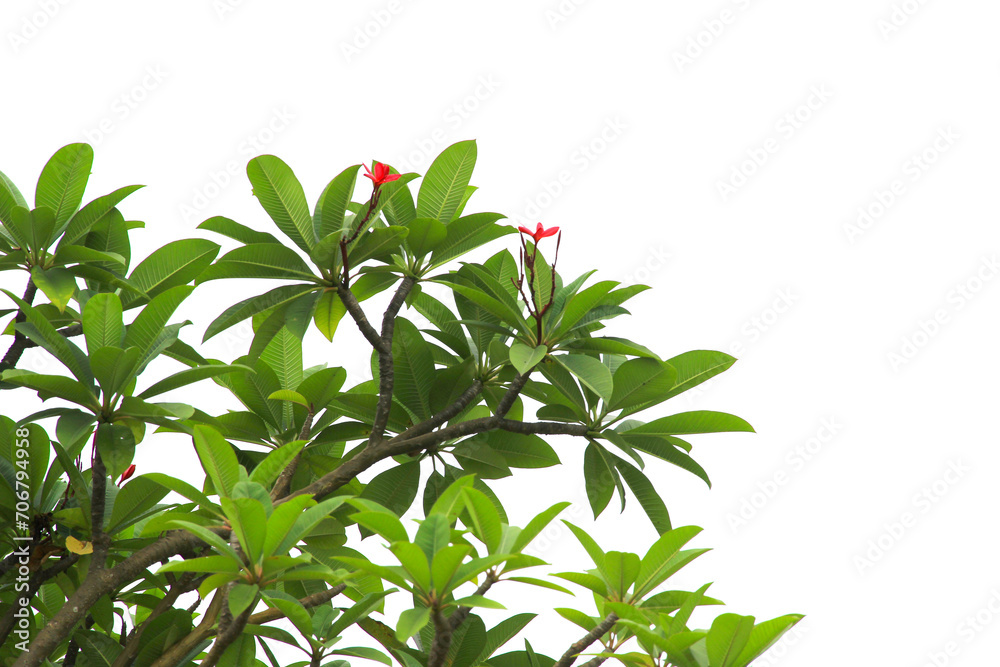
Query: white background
x,y
644,111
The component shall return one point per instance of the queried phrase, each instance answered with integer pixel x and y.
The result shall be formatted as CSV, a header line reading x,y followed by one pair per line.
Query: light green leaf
x,y
282,197
590,371
57,284
63,180
523,358
217,458
443,187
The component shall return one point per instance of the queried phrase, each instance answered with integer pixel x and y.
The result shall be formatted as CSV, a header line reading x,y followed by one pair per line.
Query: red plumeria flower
x,y
381,174
128,473
539,233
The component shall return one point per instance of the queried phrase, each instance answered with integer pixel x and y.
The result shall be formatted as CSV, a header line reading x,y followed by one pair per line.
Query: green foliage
x,y
480,369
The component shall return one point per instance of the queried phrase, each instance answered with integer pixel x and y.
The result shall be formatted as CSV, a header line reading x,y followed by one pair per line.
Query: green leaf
x,y
600,477
523,358
38,328
592,373
189,376
241,596
726,639
415,562
87,217
275,298
414,368
102,321
764,635
657,563
54,385
696,367
332,204
502,633
476,456
395,488
589,545
217,458
183,488
639,381
63,180
147,327
426,234
114,367
116,444
485,522
698,421
282,197
467,233
478,601
411,622
537,525
375,243
277,460
443,187
57,284
382,523
249,522
522,451
582,303
329,311
234,230
621,569
289,395
433,535
445,564
646,494
259,260
136,497
176,263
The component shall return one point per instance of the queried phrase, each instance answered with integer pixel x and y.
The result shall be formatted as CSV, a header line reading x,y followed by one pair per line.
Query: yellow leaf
x,y
78,547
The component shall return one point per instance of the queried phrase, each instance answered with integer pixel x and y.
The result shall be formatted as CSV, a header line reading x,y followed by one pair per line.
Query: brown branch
x,y
173,655
442,639
570,656
19,345
462,613
187,583
386,372
98,497
284,481
440,418
354,308
308,602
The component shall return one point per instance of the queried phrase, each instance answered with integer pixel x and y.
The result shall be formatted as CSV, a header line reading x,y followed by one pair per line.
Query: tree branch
x,y
354,308
284,481
173,654
385,366
462,613
308,602
98,485
569,657
17,348
187,583
440,418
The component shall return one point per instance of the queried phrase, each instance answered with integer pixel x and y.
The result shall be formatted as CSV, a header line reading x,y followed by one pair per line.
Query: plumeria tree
x,y
474,366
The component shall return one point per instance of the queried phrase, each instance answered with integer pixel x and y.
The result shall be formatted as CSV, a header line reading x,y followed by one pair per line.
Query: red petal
x,y
548,232
390,178
369,174
525,230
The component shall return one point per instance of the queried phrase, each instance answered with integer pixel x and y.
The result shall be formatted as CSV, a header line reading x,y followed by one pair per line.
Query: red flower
x,y
381,174
539,232
128,473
